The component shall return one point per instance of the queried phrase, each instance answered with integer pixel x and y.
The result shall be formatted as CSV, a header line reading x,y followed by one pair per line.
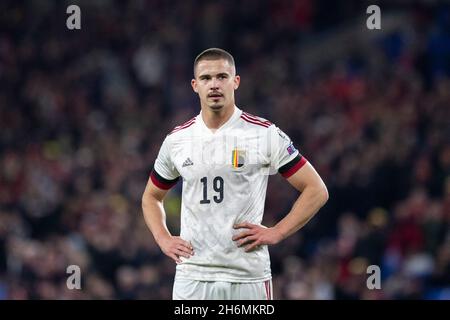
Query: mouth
x,y
215,95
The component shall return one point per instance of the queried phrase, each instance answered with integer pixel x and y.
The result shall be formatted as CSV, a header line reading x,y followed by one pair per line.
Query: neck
x,y
215,119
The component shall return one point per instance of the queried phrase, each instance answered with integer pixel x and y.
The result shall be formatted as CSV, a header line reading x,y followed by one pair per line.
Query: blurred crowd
x,y
83,114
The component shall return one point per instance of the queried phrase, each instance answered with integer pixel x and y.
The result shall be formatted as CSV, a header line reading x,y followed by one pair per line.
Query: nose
x,y
214,84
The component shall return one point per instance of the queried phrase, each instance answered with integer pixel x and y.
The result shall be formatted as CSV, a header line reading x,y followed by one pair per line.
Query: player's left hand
x,y
255,235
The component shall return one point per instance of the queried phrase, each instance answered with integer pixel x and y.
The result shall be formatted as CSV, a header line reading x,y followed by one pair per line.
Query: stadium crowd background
x,y
83,113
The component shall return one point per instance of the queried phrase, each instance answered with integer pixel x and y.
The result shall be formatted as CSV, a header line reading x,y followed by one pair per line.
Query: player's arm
x,y
314,195
155,218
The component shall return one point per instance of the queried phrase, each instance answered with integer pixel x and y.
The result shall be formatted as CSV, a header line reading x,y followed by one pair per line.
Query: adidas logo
x,y
187,162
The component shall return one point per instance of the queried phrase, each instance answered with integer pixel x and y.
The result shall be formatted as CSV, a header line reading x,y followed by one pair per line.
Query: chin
x,y
216,107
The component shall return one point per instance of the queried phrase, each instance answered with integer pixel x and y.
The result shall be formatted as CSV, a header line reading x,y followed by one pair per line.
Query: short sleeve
x,y
164,174
284,157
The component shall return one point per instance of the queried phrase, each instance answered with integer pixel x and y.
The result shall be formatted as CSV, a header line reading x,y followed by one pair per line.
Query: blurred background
x,y
84,112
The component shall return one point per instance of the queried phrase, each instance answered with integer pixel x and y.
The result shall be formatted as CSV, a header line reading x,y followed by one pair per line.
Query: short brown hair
x,y
214,54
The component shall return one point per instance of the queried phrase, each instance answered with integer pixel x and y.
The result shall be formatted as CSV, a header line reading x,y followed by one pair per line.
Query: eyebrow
x,y
203,76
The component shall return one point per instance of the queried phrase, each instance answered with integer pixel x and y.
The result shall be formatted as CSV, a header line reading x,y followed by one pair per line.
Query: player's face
x,y
215,82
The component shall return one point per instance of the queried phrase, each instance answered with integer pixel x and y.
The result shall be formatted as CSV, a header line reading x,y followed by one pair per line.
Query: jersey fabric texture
x,y
225,177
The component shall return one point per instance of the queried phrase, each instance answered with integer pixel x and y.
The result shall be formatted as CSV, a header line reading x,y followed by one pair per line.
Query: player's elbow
x,y
146,200
322,195
150,199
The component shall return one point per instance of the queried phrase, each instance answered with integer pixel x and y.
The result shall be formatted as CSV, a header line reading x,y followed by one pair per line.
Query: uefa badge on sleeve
x,y
291,149
237,158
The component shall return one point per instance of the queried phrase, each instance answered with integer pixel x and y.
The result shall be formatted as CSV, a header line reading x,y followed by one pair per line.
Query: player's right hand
x,y
175,247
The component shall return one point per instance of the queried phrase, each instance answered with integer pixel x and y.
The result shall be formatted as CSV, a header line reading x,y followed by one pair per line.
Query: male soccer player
x,y
224,156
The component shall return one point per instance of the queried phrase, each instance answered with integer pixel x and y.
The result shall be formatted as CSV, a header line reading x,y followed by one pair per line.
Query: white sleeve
x,y
164,174
284,157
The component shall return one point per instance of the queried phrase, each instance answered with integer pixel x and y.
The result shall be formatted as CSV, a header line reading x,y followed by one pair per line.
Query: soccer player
x,y
224,157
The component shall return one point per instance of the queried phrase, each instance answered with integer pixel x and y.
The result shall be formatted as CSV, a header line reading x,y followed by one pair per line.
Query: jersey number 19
x,y
218,187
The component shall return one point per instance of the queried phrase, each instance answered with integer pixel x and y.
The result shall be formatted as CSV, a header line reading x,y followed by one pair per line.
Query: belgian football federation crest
x,y
237,158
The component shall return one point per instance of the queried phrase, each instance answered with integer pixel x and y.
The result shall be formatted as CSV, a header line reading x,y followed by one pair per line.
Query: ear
x,y
194,85
237,81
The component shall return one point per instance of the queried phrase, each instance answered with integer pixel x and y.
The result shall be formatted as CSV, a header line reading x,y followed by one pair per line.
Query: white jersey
x,y
225,176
